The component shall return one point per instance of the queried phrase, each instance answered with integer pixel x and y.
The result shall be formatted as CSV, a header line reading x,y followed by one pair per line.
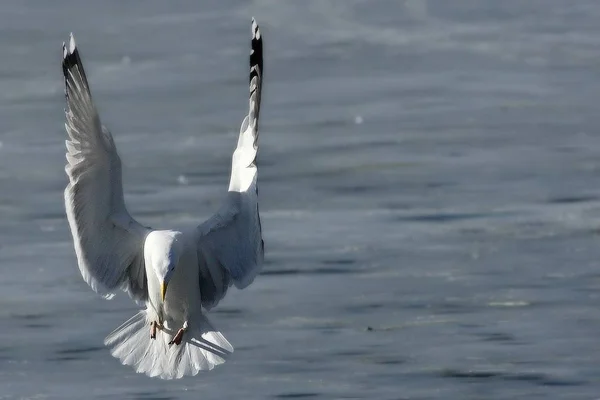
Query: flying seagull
x,y
177,275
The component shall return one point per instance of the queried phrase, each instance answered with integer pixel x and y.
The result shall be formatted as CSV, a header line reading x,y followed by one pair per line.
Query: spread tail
x,y
202,348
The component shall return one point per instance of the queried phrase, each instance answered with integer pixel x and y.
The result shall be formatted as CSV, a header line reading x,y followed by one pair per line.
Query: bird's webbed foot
x,y
153,327
179,335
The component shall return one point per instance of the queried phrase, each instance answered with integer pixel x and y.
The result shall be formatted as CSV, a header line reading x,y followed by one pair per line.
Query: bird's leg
x,y
179,335
153,330
153,327
177,338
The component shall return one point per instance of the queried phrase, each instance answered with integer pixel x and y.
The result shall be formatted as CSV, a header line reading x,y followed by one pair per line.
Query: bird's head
x,y
166,251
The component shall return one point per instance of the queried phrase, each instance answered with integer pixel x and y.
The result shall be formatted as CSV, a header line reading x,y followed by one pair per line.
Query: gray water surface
x,y
428,173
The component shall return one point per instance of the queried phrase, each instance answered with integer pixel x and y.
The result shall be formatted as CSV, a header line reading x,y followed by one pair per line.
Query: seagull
x,y
177,275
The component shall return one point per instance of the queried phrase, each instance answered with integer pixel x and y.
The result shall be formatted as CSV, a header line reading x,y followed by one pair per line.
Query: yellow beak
x,y
163,290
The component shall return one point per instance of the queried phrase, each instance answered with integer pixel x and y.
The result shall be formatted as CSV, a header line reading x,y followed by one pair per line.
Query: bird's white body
x,y
177,275
204,346
183,299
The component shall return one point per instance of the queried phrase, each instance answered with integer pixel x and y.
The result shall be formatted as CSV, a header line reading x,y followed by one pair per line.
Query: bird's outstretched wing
x,y
230,245
109,243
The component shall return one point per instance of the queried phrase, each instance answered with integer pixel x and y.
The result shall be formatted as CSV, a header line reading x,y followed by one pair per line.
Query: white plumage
x,y
176,274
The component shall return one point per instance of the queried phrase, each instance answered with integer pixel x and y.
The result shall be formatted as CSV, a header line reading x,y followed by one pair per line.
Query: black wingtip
x,y
71,63
72,66
70,55
256,52
71,58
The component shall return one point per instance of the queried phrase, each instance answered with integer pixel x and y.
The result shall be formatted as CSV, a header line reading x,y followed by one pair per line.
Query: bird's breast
x,y
183,291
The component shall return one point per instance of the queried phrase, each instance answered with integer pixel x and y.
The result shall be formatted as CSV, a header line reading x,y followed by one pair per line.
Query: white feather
x,y
131,343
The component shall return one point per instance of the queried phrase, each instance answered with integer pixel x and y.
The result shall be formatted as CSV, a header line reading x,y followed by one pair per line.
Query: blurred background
x,y
428,174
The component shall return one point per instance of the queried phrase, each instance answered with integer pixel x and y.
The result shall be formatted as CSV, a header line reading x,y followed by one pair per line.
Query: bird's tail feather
x,y
202,347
